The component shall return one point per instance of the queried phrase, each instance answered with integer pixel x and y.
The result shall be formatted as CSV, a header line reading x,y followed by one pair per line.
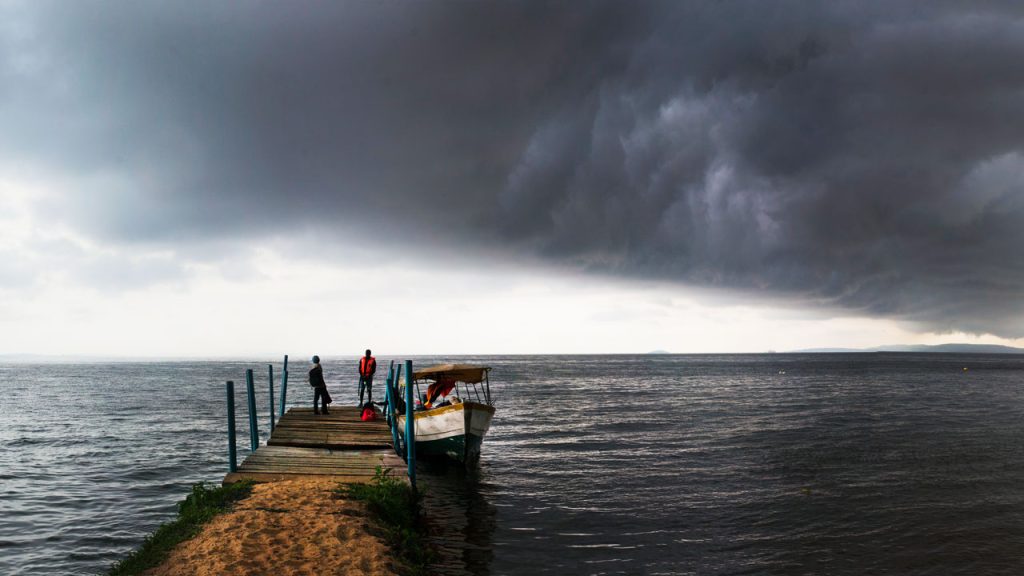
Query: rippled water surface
x,y
759,464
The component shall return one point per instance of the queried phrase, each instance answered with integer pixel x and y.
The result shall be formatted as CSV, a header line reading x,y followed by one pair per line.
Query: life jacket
x,y
438,389
367,365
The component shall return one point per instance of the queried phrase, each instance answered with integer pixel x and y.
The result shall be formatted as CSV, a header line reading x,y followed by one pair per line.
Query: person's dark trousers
x,y
367,383
320,395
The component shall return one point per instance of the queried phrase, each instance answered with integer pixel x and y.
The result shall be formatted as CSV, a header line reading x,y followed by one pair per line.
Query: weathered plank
x,y
341,453
338,446
233,477
341,429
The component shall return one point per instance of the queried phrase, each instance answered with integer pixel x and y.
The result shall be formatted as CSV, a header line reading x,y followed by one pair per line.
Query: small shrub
x,y
196,509
396,505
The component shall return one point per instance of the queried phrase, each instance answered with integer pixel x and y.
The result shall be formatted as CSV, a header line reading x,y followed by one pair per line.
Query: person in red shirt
x,y
367,368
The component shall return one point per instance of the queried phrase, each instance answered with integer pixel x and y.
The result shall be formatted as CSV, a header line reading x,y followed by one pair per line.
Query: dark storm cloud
x,y
862,156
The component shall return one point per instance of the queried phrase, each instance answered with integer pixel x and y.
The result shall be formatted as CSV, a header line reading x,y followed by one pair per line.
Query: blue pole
x,y
284,385
394,381
388,412
398,376
410,426
254,433
392,414
232,455
270,374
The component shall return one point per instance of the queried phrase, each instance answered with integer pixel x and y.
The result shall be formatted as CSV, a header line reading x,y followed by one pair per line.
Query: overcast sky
x,y
206,178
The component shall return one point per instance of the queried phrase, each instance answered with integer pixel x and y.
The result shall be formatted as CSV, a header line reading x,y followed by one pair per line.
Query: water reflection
x,y
461,518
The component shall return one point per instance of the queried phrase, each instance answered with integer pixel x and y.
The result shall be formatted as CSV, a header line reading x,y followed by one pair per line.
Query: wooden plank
x,y
348,427
339,447
323,422
275,477
330,429
354,415
311,462
333,438
316,451
322,432
331,465
322,459
327,434
330,442
349,407
318,461
335,458
288,454
306,471
320,423
325,437
349,465
335,429
324,456
298,443
344,424
290,450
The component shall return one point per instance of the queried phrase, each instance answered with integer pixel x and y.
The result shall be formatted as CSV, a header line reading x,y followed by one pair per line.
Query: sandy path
x,y
297,527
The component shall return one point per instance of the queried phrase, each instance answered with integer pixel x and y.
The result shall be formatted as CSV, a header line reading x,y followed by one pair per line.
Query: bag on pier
x,y
368,414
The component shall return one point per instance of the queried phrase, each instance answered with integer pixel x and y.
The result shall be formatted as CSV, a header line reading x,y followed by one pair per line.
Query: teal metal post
x,y
392,414
232,454
270,374
284,385
410,425
398,376
254,433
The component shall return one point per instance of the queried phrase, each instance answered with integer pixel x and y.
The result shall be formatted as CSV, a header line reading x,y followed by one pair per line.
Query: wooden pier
x,y
338,447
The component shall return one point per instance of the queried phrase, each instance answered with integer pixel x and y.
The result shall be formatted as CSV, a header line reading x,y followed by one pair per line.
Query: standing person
x,y
367,368
316,380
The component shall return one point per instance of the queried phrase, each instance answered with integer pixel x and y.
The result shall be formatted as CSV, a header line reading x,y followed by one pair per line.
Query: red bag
x,y
368,414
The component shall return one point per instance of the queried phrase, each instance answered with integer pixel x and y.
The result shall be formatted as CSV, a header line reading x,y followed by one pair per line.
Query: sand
x,y
296,527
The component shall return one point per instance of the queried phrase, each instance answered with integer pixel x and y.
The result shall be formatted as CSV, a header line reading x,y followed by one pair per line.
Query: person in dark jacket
x,y
367,368
316,380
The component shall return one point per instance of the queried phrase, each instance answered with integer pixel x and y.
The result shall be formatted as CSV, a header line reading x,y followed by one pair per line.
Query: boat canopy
x,y
469,373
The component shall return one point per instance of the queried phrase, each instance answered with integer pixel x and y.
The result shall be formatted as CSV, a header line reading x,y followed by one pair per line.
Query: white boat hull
x,y
455,431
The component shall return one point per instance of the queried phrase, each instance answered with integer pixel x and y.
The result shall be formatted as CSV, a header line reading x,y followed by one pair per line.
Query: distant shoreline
x,y
933,349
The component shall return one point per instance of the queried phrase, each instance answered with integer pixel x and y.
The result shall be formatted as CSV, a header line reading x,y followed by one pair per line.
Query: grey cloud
x,y
37,262
859,155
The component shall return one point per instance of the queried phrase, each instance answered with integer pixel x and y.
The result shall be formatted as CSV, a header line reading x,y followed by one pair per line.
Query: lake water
x,y
735,464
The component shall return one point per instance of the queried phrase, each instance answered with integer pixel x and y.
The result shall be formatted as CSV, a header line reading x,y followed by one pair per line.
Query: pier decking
x,y
338,447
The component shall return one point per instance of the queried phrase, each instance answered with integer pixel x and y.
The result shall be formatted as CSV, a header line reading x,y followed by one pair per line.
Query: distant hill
x,y
947,348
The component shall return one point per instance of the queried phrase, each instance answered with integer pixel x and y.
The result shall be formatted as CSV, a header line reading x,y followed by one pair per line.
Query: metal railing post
x,y
410,424
392,414
284,385
389,412
394,392
254,433
232,454
270,375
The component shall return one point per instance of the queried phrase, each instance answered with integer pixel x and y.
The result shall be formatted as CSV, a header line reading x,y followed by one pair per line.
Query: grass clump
x,y
196,509
397,506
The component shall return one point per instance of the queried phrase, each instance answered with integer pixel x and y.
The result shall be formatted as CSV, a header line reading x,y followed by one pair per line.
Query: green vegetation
x,y
196,509
397,507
